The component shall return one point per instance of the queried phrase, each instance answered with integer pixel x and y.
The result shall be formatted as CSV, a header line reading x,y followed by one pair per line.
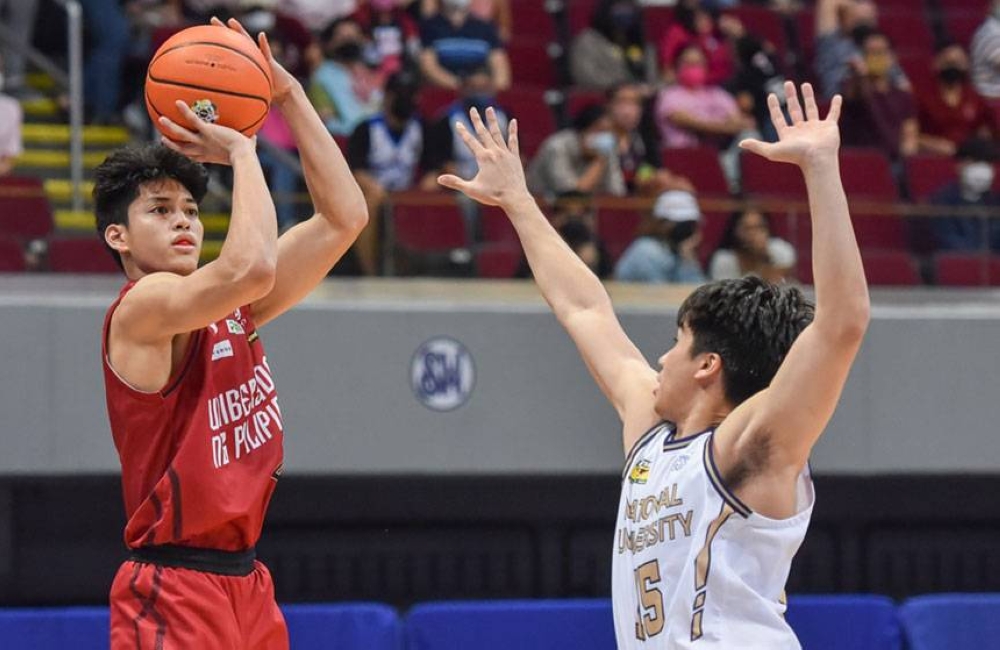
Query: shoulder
x,y
782,253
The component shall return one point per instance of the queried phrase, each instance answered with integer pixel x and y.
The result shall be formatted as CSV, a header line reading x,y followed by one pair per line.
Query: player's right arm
x,y
574,293
162,305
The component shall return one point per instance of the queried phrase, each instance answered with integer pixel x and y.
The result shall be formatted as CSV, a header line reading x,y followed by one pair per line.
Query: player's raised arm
x,y
789,416
575,294
308,251
164,304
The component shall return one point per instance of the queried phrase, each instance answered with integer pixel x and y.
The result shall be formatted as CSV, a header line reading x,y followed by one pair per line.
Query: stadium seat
x,y
908,30
883,268
764,23
577,100
927,174
961,23
535,120
580,13
852,622
81,255
700,165
531,19
80,628
951,621
432,101
919,68
499,261
866,175
24,208
11,256
966,270
617,228
347,626
428,227
495,227
765,179
656,20
530,63
505,625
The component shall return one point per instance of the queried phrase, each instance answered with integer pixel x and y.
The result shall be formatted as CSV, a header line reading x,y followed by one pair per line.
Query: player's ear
x,y
116,236
709,366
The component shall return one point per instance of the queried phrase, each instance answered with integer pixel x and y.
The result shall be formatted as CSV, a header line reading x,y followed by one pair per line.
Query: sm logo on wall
x,y
442,374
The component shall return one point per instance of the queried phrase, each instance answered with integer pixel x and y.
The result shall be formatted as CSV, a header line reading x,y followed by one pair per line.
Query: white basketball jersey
x,y
694,567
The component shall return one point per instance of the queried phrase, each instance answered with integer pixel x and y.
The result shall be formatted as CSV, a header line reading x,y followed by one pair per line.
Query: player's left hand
x,y
282,81
808,139
500,180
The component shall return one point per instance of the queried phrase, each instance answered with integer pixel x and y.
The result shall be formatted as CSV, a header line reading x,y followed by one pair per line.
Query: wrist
x,y
517,202
823,161
242,150
290,94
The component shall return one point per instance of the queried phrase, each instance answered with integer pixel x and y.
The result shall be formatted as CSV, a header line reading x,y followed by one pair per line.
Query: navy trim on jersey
x,y
720,485
643,440
669,443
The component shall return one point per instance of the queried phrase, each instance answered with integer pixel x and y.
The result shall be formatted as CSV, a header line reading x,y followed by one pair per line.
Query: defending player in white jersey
x,y
716,494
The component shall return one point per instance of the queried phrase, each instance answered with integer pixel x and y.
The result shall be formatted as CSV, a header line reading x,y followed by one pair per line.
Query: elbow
x,y
252,279
849,325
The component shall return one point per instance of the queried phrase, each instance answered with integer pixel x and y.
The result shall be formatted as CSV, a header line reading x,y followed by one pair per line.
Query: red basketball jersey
x,y
201,457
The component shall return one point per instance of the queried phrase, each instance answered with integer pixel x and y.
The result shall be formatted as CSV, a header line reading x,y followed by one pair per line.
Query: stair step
x,y
60,134
40,107
40,81
216,224
59,189
46,158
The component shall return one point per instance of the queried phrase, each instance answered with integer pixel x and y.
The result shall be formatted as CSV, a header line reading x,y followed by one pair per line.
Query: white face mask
x,y
977,177
602,141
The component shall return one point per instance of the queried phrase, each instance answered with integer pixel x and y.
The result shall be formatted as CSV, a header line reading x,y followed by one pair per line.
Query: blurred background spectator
x,y
954,111
10,127
19,16
666,250
693,24
613,50
345,89
757,75
108,35
985,50
318,14
573,215
456,42
394,34
836,46
748,248
975,160
497,12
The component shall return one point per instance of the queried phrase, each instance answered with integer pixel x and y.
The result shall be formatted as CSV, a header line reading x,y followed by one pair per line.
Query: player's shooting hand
x,y
204,142
500,180
808,139
282,81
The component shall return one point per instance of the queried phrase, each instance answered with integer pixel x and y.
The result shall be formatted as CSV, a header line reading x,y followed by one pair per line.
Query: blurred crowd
x,y
390,79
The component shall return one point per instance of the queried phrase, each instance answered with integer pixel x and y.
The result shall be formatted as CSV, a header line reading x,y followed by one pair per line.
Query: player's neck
x,y
702,415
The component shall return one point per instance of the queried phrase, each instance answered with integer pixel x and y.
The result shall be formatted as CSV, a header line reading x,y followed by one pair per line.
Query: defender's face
x,y
676,383
164,232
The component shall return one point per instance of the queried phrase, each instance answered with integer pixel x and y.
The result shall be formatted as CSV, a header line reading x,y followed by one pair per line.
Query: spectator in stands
x,y
985,50
10,127
108,35
691,112
393,32
318,14
386,154
757,76
975,159
953,113
300,50
573,216
877,111
456,43
638,150
613,49
666,250
748,248
839,27
497,12
344,88
19,16
582,158
695,25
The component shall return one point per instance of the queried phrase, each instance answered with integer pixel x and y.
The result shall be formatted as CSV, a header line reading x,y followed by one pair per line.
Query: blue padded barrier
x,y
343,626
80,628
946,621
847,622
504,625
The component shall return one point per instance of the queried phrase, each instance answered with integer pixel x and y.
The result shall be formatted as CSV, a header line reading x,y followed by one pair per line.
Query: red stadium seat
x,y
80,256
530,63
432,101
713,226
966,269
919,69
909,30
884,268
764,23
535,120
656,20
805,28
428,227
532,20
11,256
498,261
867,175
762,178
700,165
961,24
580,13
24,208
496,227
617,228
926,175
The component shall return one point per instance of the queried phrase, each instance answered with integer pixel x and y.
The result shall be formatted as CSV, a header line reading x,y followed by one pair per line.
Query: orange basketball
x,y
219,73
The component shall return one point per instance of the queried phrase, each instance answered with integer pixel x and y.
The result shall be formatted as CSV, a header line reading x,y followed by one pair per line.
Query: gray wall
x,y
923,395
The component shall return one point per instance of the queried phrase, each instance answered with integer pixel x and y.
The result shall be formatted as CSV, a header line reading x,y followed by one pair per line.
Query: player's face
x,y
164,230
676,383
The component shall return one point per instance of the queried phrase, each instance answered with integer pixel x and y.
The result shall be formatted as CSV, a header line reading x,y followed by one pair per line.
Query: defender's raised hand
x,y
500,179
808,138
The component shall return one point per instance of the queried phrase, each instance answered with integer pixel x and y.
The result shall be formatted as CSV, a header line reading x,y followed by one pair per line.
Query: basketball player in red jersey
x,y
191,399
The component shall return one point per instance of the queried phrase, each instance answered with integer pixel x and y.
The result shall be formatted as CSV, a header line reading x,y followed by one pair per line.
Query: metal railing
x,y
70,81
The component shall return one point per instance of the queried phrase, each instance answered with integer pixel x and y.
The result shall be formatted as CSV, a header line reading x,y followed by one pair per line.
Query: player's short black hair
x,y
751,324
118,178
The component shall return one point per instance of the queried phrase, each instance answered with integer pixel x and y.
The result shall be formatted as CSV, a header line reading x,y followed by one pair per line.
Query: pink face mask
x,y
692,75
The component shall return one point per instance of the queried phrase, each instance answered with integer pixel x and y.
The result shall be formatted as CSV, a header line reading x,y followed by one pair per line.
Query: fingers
x,y
452,182
481,131
195,123
792,99
237,27
218,23
177,132
265,46
470,140
777,116
812,112
512,142
756,146
835,105
494,126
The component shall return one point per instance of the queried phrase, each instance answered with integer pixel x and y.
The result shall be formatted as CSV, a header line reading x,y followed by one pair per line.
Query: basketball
x,y
220,74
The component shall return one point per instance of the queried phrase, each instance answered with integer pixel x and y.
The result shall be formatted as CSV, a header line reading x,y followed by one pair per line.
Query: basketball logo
x,y
442,374
205,110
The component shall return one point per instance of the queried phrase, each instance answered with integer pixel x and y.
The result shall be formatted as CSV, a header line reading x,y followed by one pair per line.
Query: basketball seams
x,y
231,93
181,46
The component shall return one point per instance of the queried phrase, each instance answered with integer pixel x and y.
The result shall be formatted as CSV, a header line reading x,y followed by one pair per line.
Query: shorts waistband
x,y
208,560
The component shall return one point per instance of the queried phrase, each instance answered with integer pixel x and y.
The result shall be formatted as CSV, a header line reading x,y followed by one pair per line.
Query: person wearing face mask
x,y
613,50
954,112
10,128
582,158
386,153
877,112
666,250
456,43
393,32
691,113
693,24
344,89
975,159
